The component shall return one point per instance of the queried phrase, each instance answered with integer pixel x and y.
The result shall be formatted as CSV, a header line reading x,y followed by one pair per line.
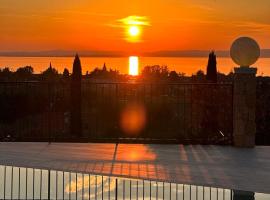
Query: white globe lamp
x,y
245,51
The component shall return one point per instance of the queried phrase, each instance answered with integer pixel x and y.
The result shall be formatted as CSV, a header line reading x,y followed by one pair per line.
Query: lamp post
x,y
244,52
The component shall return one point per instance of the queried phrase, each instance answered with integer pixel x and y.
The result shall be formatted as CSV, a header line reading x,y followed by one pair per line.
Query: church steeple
x,y
104,67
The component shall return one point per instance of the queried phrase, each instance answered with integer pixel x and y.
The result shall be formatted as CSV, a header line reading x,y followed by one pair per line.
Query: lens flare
x,y
133,119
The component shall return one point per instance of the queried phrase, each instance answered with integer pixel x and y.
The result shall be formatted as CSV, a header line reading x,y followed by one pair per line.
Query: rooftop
x,y
216,166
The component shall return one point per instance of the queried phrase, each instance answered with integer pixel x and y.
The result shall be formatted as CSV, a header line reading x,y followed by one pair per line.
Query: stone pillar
x,y
244,107
243,195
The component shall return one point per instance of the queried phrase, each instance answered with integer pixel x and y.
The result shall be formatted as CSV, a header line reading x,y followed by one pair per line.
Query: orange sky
x,y
96,24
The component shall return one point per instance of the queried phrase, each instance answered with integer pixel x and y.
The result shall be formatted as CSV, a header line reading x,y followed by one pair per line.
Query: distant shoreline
x,y
265,53
85,56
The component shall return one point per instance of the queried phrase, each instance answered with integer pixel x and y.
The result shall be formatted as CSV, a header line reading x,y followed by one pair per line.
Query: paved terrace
x,y
217,166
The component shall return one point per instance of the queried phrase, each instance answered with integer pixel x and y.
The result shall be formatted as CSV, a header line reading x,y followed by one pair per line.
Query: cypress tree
x,y
209,122
75,117
211,75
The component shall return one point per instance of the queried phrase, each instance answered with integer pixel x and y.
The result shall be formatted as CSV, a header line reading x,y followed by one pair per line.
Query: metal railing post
x,y
116,189
5,170
49,184
49,111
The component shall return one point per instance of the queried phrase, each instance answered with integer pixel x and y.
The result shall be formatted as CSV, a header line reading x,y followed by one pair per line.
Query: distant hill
x,y
265,53
61,53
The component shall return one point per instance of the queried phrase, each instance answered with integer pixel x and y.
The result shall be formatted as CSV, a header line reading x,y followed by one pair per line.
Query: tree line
x,y
154,73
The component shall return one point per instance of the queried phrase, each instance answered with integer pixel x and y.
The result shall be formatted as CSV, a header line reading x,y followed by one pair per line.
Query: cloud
x,y
101,14
129,21
202,7
135,20
253,26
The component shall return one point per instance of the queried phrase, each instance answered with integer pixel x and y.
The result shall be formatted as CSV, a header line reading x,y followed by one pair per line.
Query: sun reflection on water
x,y
83,182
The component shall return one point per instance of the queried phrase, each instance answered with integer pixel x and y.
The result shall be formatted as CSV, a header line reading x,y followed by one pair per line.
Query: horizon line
x,y
265,53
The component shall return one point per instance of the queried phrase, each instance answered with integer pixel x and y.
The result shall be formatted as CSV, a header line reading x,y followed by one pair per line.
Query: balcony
x,y
164,113
178,142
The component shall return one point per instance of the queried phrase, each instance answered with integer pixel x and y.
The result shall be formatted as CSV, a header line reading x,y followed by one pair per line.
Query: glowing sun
x,y
134,31
134,27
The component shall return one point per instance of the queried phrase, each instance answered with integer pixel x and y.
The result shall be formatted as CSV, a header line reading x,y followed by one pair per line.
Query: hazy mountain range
x,y
265,53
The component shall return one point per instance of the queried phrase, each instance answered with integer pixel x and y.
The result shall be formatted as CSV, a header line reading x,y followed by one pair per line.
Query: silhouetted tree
x,y
173,76
198,77
155,72
209,123
5,74
65,73
24,73
104,74
75,117
199,73
181,74
211,74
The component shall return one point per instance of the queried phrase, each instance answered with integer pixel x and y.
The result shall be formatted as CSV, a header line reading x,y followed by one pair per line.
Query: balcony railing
x,y
29,183
164,113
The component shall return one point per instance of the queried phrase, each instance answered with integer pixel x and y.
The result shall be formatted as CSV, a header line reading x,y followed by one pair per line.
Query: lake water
x,y
187,65
28,183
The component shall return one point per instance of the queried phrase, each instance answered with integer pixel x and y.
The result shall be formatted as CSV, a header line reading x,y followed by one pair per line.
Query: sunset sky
x,y
103,25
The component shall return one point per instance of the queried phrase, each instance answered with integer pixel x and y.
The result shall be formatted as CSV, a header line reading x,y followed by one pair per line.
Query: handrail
x,y
108,83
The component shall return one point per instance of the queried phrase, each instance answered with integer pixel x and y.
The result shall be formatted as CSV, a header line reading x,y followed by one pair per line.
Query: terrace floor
x,y
217,166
